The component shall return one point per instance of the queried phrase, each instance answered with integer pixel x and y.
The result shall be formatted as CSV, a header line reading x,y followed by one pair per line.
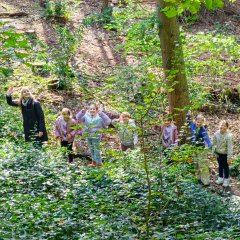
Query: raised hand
x,y
10,90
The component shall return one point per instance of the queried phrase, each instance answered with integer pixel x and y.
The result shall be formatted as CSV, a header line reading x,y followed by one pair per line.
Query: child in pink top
x,y
168,137
65,132
168,134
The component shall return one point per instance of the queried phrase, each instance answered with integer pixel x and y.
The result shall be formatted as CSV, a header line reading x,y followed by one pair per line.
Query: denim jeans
x,y
94,147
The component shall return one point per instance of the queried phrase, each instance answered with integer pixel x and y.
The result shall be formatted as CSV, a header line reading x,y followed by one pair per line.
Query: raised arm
x,y
80,116
105,118
11,102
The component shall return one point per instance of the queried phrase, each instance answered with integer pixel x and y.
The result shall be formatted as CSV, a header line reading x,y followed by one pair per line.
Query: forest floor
x,y
98,58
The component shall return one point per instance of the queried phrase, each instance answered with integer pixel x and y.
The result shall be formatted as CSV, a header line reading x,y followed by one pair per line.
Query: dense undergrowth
x,y
44,198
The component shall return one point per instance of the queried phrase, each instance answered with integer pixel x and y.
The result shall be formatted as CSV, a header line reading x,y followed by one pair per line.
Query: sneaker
x,y
219,180
226,182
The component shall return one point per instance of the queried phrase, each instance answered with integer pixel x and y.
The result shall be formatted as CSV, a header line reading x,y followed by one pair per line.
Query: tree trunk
x,y
173,64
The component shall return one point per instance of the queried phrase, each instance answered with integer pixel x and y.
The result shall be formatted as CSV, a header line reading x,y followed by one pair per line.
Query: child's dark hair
x,y
94,104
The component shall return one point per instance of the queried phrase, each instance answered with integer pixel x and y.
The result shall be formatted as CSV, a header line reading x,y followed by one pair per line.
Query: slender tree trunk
x,y
173,64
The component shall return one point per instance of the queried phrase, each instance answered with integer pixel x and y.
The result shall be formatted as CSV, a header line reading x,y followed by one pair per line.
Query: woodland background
x,y
73,52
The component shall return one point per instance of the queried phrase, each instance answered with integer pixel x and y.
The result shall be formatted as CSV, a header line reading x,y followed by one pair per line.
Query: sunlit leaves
x,y
177,7
14,48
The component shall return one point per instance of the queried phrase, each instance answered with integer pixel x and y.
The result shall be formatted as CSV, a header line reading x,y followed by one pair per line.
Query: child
x,y
64,131
199,138
168,136
223,147
169,133
33,116
127,131
93,122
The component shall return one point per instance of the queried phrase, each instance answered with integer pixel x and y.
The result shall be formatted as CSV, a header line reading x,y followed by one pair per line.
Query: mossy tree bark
x,y
173,64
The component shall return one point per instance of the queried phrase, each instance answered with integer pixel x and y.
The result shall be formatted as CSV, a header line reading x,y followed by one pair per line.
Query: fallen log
x,y
13,14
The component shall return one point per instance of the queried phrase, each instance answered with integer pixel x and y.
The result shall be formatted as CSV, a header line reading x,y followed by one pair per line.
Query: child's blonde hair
x,y
21,93
126,114
225,123
67,110
201,118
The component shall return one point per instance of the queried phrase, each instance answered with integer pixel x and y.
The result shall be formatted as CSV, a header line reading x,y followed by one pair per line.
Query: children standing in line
x,y
93,122
127,131
223,147
65,132
199,138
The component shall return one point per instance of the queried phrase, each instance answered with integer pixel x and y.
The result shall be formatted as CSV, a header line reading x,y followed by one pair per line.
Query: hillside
x,y
82,55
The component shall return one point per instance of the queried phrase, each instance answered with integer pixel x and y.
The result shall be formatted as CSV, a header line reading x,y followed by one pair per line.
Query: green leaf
x,y
6,71
209,4
218,3
170,11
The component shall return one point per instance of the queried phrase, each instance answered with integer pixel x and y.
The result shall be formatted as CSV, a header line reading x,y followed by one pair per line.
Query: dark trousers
x,y
69,147
223,168
124,147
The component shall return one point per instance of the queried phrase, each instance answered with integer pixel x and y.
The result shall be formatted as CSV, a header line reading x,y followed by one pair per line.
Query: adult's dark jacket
x,y
33,119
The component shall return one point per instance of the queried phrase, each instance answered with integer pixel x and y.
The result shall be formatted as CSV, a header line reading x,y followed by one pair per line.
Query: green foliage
x,y
135,195
14,48
103,18
68,42
10,123
115,18
57,9
209,57
142,36
176,8
235,168
41,197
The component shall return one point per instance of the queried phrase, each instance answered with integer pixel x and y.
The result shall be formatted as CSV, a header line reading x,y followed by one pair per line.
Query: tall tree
x,y
171,48
173,64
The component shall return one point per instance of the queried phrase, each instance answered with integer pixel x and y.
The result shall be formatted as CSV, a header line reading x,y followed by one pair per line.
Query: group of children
x,y
90,122
222,147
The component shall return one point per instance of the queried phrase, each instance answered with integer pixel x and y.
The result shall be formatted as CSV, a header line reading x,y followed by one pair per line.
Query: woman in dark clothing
x,y
33,116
